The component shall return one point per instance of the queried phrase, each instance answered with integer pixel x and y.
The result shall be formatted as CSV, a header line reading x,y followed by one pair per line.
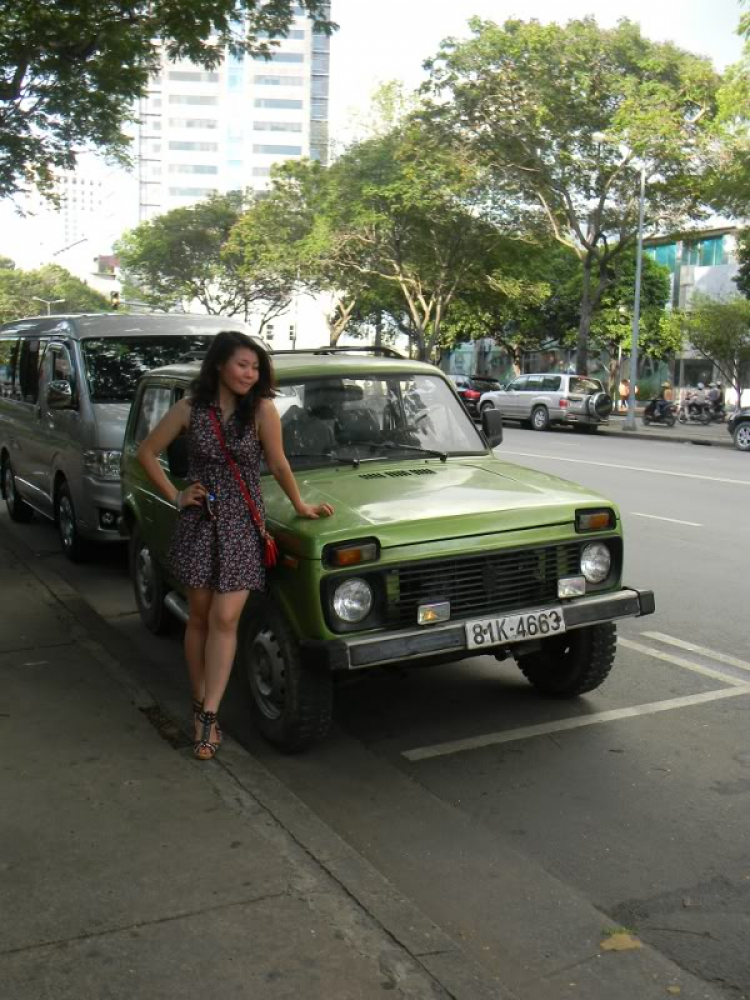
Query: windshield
x,y
114,364
353,420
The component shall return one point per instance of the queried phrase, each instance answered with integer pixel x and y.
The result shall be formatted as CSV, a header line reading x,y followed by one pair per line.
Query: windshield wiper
x,y
331,456
392,446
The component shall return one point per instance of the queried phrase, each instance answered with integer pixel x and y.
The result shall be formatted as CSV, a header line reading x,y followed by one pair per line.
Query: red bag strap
x,y
219,432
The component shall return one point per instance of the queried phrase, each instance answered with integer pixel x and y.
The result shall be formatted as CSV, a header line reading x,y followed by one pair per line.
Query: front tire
x,y
291,703
73,546
18,509
571,664
148,584
539,418
741,436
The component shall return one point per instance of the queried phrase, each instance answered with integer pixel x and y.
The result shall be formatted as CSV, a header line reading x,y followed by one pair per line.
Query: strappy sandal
x,y
197,709
204,749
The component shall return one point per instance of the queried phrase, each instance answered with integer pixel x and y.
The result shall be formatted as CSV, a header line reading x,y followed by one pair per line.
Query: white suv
x,y
539,401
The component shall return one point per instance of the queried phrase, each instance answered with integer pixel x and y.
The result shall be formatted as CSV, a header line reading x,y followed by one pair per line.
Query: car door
x,y
510,399
57,446
532,396
27,431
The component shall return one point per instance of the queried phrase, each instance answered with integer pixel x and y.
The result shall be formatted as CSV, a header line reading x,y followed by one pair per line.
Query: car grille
x,y
477,585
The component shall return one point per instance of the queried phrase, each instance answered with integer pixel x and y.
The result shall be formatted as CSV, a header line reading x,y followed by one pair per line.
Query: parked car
x,y
471,387
66,385
543,400
438,550
739,427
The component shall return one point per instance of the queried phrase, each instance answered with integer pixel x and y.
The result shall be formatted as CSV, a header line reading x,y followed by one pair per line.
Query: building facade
x,y
203,131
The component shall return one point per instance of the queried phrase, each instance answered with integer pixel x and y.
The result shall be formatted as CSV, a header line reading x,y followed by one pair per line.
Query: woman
x,y
217,551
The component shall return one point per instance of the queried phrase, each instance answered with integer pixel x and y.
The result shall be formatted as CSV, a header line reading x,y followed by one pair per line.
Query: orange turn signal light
x,y
352,555
594,520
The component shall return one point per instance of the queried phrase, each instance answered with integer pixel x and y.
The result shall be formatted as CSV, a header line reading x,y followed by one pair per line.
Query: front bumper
x,y
438,640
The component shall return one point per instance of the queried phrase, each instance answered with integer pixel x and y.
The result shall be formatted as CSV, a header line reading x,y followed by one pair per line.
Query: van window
x,y
29,364
58,365
114,364
155,402
551,383
8,367
533,383
586,386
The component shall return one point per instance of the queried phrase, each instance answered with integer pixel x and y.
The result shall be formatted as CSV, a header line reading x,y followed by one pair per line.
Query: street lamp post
x,y
48,302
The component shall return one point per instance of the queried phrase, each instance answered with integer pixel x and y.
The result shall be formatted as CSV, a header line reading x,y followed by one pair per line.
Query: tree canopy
x,y
70,72
20,291
564,115
720,331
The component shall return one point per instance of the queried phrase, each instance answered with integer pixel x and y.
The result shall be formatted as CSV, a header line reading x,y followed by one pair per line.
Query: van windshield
x,y
114,364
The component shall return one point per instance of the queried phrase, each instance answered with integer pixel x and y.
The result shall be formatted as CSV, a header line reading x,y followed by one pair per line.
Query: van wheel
x,y
148,584
291,703
18,509
72,544
539,418
571,664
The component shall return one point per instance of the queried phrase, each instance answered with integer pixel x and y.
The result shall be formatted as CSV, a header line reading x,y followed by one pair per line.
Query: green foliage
x,y
19,288
70,72
6,264
742,279
529,98
720,331
183,256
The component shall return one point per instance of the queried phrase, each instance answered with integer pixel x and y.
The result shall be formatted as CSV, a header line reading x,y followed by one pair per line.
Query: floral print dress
x,y
221,552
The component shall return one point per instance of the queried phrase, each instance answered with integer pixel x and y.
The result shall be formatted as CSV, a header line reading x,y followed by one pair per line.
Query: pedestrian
x,y
624,393
219,541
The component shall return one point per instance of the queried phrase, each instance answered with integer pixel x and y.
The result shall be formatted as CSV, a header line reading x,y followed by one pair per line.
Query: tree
x,y
6,264
720,331
182,256
742,278
20,289
70,72
529,99
403,209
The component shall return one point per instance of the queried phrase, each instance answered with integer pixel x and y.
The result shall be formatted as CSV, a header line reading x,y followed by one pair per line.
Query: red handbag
x,y
270,548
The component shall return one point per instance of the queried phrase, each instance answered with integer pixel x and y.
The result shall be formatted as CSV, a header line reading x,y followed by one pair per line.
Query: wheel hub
x,y
67,522
743,436
266,674
9,486
144,577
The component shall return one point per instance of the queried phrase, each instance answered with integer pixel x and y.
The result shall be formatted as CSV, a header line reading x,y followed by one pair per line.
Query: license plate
x,y
486,632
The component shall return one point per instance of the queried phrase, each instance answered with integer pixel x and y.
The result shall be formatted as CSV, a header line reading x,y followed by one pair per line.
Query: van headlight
x,y
595,562
102,463
352,600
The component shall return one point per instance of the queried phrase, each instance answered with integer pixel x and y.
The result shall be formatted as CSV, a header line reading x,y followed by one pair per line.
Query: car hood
x,y
404,503
110,419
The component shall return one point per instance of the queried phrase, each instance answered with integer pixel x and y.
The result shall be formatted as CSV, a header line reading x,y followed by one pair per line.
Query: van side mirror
x,y
60,395
177,457
492,425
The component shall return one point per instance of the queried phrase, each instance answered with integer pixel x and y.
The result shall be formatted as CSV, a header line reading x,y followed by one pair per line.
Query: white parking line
x,y
678,661
527,732
672,520
712,654
629,468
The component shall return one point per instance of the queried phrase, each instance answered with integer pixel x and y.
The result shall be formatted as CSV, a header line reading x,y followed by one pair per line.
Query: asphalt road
x,y
635,798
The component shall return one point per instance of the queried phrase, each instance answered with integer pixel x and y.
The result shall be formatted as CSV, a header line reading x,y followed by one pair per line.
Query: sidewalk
x,y
715,435
129,870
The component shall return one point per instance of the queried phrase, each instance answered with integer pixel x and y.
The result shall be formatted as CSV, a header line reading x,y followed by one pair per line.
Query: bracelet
x,y
178,500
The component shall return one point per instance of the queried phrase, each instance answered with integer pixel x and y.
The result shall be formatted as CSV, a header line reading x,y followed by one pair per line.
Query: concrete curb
x,y
677,438
366,902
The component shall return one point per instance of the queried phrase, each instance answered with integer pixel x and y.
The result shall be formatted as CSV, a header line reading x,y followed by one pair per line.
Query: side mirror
x,y
60,395
492,425
177,457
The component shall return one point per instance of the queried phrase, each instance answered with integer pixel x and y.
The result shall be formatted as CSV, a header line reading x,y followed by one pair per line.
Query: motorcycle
x,y
659,411
694,413
717,412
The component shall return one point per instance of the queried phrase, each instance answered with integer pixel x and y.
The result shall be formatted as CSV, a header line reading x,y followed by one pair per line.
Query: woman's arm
x,y
172,424
269,432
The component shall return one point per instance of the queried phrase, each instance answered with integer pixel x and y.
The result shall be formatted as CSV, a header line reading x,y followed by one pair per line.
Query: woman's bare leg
x,y
221,645
196,633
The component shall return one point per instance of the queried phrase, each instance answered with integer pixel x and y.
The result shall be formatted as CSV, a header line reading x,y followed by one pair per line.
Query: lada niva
x,y
438,550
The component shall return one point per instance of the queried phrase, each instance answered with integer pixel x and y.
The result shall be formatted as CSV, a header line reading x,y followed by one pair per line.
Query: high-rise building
x,y
221,130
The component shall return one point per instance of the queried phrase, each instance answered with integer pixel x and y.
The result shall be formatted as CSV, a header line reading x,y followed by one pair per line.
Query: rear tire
x,y
539,418
486,406
571,664
18,510
291,703
741,436
670,420
74,547
148,584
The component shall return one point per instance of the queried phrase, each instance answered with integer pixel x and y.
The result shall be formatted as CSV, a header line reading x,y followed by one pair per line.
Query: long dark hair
x,y
205,389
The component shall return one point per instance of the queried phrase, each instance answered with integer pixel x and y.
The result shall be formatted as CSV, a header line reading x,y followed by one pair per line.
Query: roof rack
x,y
387,352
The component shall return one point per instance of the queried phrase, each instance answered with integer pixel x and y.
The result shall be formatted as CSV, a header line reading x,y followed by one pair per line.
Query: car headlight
x,y
102,463
595,562
352,600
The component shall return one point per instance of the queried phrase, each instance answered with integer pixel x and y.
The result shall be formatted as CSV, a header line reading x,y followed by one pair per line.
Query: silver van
x,y
66,385
540,401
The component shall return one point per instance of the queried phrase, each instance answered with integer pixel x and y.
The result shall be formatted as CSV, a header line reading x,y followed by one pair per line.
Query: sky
x,y
390,39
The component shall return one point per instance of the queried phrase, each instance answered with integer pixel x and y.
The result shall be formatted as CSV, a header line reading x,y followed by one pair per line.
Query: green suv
x,y
438,549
